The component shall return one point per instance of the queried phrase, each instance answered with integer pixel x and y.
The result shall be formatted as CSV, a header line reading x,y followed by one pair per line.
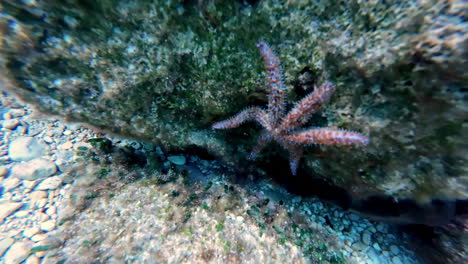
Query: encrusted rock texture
x,y
166,72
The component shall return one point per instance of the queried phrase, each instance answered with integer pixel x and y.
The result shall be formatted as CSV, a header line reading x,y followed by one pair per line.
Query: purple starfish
x,y
284,128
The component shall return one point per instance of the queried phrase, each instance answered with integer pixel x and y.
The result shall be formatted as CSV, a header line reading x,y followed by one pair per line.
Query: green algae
x,y
165,71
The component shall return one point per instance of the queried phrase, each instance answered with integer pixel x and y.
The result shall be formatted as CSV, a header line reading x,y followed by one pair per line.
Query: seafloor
x,y
71,194
166,188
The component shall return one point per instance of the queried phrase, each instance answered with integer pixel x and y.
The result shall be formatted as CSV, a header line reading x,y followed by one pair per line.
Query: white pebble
x,y
18,252
48,226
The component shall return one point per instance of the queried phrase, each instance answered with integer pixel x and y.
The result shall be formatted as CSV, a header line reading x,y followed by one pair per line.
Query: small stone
x,y
177,160
396,260
21,214
18,112
65,214
394,249
5,244
32,260
18,252
50,183
73,126
10,124
7,209
359,246
382,228
29,184
34,169
366,238
48,226
41,203
26,148
13,232
11,183
67,145
42,217
30,232
48,140
37,195
376,246
353,217
3,172
7,115
38,237
67,132
51,211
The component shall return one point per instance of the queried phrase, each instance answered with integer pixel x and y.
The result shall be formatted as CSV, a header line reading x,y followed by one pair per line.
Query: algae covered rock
x,y
166,71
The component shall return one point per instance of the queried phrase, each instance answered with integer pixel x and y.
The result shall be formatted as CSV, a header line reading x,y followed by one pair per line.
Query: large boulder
x,y
166,71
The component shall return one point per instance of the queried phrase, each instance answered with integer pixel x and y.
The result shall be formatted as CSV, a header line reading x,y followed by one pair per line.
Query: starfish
x,y
285,128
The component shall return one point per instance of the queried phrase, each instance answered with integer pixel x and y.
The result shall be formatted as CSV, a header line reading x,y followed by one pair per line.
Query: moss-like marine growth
x,y
165,71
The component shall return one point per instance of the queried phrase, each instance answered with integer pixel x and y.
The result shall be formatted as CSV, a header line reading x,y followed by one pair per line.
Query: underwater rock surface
x,y
166,72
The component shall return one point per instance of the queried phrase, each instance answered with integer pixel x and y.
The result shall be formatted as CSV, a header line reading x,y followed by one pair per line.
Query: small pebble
x,y
10,124
30,232
48,226
18,252
394,249
5,244
38,237
8,208
177,160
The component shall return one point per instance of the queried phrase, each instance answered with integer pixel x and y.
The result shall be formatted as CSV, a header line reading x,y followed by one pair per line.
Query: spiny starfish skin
x,y
285,129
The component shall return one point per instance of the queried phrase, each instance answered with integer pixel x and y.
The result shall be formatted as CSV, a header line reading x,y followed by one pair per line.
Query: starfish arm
x,y
276,94
327,136
262,141
252,113
306,107
295,155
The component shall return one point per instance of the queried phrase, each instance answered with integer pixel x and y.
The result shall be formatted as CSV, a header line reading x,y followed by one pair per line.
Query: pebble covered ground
x,y
59,206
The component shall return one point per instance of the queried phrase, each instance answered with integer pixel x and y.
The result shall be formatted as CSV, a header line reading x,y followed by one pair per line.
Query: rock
x,y
38,237
359,246
29,184
10,124
7,115
10,183
418,113
41,203
34,169
48,140
8,208
50,183
394,249
51,211
48,226
65,214
21,214
17,112
376,246
67,145
177,160
18,252
30,232
3,172
26,148
37,195
5,244
396,260
367,238
33,260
